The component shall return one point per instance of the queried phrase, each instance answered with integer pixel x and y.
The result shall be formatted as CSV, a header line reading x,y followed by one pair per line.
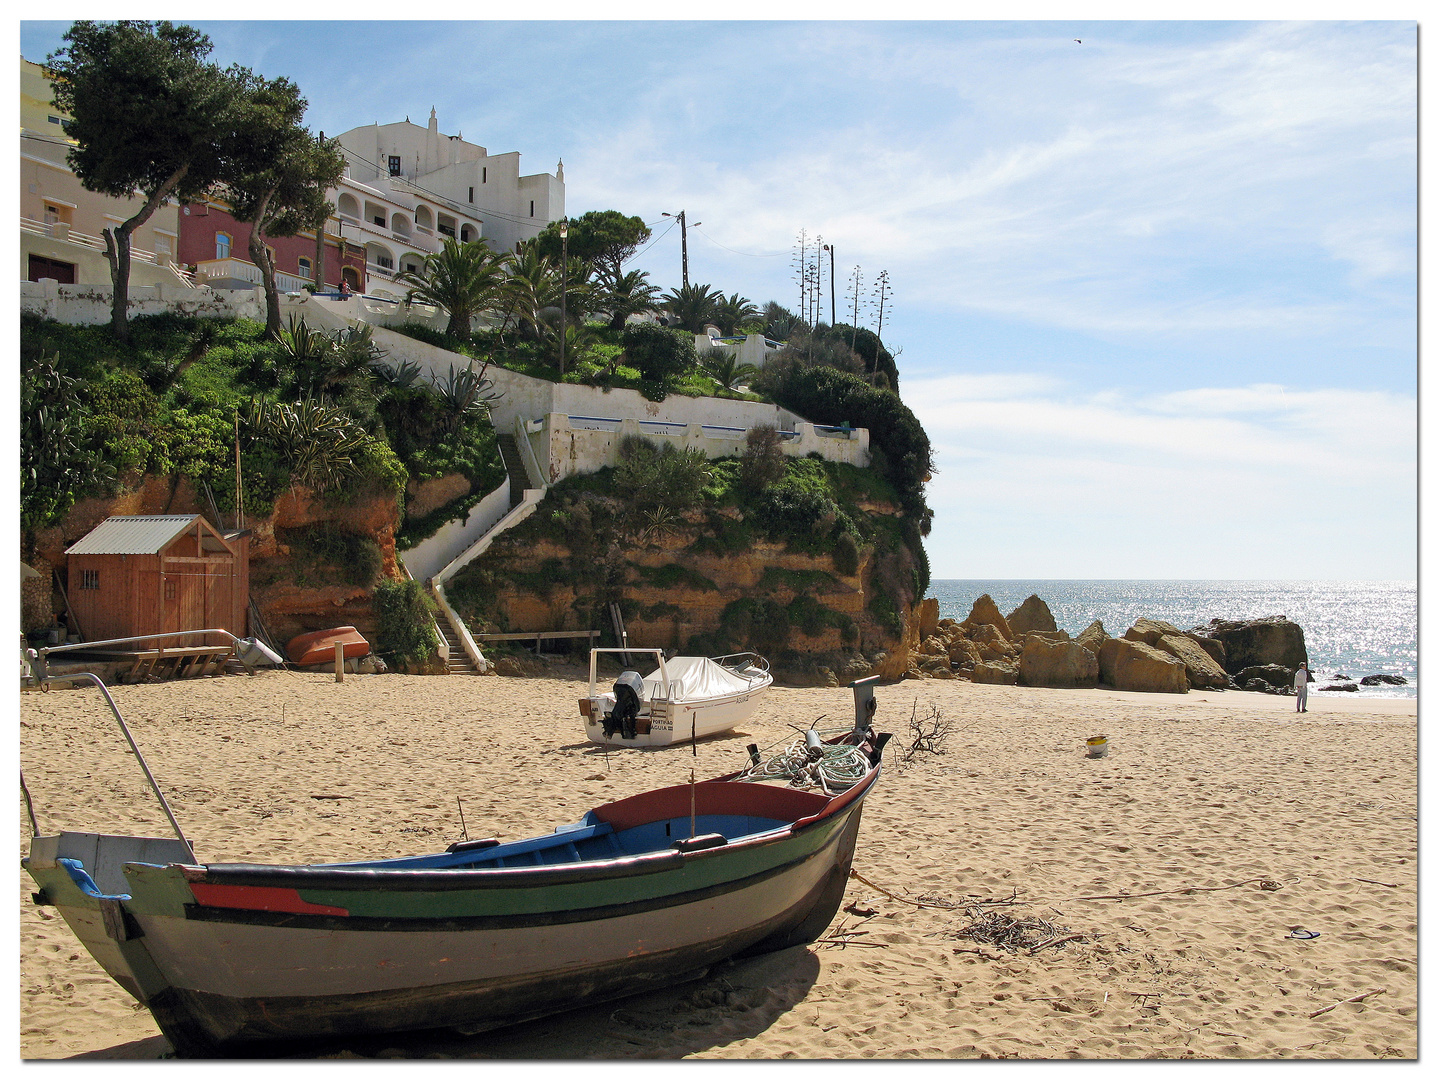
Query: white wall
x,y
430,556
570,446
89,305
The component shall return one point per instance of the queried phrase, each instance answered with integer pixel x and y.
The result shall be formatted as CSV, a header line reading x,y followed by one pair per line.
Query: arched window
x,y
306,269
222,245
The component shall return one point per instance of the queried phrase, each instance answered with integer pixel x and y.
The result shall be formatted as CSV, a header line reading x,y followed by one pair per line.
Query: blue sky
x,y
1156,293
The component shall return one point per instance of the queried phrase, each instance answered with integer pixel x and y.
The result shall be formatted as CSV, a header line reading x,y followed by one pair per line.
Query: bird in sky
x,y
1079,40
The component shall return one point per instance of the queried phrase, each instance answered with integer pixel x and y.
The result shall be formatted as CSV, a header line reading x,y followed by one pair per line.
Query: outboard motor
x,y
628,695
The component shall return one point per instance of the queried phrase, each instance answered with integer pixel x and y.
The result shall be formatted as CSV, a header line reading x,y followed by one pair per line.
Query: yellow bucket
x,y
1098,746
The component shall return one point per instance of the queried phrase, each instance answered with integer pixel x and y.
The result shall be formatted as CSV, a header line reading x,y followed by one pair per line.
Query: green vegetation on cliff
x,y
321,410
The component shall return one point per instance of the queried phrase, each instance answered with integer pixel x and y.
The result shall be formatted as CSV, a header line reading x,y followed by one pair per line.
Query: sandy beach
x,y
1228,820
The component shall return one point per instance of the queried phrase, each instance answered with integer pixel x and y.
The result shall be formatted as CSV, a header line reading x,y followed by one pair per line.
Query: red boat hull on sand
x,y
318,646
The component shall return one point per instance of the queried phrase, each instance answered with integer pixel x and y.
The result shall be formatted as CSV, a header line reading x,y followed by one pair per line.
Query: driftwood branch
x,y
903,900
1348,1001
1055,941
1370,881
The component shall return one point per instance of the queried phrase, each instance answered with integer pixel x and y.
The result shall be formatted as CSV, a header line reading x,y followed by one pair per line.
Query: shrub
x,y
762,462
658,352
406,621
649,476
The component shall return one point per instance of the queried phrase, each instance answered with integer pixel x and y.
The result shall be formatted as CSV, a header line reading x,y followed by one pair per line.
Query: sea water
x,y
1352,628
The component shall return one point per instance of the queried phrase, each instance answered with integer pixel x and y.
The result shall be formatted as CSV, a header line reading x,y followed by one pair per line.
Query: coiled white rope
x,y
838,769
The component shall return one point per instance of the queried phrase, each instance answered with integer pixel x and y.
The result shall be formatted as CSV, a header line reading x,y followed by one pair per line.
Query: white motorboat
x,y
683,699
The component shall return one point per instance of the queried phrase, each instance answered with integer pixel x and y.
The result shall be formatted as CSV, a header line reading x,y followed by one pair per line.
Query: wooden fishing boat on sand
x,y
318,646
685,698
235,959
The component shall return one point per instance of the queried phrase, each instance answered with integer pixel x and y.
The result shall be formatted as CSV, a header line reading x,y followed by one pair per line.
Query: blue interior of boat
x,y
587,841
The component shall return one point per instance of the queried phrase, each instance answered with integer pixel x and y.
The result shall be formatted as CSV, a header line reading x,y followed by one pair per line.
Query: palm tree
x,y
733,313
532,286
693,306
463,278
724,368
629,294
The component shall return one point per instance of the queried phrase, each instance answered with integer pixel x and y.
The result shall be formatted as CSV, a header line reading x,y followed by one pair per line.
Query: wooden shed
x,y
158,573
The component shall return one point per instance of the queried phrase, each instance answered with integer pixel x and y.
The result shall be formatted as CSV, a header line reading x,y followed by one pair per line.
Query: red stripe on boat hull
x,y
259,898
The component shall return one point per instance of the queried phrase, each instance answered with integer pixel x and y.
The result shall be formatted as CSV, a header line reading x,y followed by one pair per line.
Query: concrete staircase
x,y
514,466
459,661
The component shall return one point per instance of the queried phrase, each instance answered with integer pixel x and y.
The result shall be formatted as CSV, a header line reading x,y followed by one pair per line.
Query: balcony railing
x,y
62,232
238,270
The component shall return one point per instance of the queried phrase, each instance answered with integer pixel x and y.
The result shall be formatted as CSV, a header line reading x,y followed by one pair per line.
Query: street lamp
x,y
563,287
684,241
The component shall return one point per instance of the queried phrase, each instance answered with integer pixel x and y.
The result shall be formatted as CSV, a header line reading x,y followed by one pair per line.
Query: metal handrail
x,y
245,649
155,787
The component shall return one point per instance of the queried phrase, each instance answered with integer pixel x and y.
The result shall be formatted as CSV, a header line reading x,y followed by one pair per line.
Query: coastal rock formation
x,y
1125,664
1032,614
928,617
1057,663
1249,642
986,613
1383,680
1352,688
995,672
1274,675
1202,672
1092,636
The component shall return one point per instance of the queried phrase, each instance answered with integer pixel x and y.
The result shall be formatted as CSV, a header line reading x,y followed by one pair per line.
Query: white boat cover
x,y
697,678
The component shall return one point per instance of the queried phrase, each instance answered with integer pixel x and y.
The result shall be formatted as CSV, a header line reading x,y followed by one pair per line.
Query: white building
x,y
459,189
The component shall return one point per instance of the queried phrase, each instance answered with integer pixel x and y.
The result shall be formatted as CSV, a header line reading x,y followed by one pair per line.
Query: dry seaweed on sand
x,y
1013,933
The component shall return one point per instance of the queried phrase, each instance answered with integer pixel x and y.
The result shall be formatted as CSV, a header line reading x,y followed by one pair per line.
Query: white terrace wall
x,y
573,445
530,398
89,305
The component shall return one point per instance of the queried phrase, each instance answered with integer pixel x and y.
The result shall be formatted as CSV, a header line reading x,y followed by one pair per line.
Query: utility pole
x,y
684,242
320,243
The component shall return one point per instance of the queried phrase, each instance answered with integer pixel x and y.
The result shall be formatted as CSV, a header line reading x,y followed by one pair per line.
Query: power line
x,y
749,254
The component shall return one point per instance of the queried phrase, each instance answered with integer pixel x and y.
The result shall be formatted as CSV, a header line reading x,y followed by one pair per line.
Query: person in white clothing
x,y
1300,686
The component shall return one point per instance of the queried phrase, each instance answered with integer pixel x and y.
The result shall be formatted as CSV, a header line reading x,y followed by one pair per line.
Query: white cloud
x,y
1222,479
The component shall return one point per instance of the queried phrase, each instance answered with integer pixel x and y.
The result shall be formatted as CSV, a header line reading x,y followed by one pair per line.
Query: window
x,y
531,207
162,245
305,268
411,268
379,220
394,165
89,579
170,591
484,175
54,119
222,245
385,261
471,194
448,230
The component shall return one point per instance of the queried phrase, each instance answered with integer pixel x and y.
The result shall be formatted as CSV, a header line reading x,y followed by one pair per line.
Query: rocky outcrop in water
x,y
1032,614
1251,642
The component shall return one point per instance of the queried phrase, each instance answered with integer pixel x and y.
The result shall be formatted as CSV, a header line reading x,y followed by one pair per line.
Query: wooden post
x,y
339,661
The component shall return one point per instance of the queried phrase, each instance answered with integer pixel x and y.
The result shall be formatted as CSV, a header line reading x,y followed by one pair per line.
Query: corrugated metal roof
x,y
137,535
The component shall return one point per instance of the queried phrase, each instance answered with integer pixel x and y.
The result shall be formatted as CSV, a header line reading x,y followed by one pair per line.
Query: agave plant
x,y
318,441
465,392
320,363
407,374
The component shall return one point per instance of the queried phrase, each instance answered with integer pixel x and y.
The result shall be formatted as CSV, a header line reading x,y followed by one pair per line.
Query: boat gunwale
x,y
347,878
